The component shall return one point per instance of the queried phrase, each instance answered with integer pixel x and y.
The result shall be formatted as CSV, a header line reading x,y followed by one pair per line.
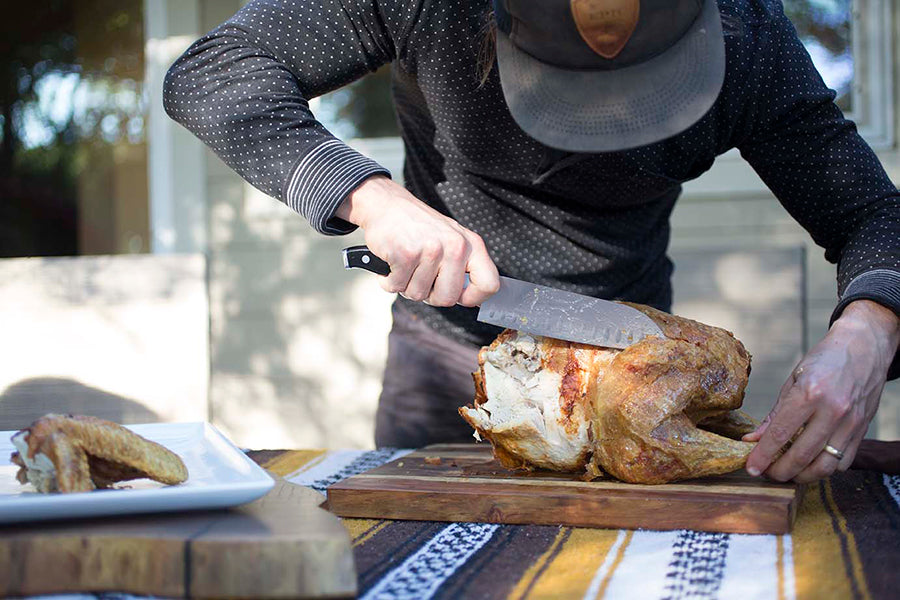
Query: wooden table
x,y
845,544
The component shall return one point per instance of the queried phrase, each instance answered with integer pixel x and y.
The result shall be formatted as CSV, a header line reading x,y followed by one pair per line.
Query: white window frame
x,y
176,160
873,59
873,106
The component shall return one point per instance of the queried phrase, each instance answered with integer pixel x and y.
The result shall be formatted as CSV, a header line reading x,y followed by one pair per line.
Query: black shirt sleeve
x,y
822,171
244,90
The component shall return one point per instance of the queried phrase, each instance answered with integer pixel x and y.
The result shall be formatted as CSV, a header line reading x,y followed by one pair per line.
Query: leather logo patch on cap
x,y
606,25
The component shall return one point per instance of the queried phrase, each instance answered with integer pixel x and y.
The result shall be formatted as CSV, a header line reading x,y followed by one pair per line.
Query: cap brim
x,y
604,111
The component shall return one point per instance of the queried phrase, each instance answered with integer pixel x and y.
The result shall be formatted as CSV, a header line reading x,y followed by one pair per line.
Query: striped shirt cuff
x,y
881,286
321,180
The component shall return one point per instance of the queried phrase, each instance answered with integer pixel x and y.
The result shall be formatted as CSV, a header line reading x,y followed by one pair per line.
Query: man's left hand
x,y
829,399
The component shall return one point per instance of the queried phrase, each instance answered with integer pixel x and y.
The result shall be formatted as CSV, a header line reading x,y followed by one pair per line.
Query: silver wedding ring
x,y
833,451
797,372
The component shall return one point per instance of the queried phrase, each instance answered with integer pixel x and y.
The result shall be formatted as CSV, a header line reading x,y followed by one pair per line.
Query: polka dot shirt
x,y
597,224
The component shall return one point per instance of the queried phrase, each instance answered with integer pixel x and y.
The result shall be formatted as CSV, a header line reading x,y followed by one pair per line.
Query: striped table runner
x,y
845,544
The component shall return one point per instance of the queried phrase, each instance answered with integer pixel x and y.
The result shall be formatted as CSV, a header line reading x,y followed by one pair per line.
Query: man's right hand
x,y
429,253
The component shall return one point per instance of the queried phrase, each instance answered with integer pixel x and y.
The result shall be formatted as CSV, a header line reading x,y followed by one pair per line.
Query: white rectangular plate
x,y
219,475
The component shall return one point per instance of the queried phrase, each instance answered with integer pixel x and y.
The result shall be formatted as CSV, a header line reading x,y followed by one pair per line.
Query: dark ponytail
x,y
487,48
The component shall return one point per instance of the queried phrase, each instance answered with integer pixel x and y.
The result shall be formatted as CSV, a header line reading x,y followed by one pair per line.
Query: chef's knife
x,y
544,311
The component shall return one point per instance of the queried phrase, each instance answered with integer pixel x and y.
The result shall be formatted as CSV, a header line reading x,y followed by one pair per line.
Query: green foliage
x,y
70,80
361,109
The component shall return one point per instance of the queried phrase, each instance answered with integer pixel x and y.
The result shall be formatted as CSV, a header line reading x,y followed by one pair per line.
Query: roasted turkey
x,y
662,409
75,453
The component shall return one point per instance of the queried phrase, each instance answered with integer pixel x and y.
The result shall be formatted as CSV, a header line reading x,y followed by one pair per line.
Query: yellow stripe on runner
x,y
292,461
818,561
534,570
362,530
852,550
571,570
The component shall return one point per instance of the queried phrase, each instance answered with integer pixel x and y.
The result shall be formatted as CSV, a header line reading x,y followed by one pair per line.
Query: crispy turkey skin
x,y
661,410
75,453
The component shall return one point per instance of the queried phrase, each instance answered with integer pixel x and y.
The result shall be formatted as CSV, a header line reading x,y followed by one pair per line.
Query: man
x,y
560,166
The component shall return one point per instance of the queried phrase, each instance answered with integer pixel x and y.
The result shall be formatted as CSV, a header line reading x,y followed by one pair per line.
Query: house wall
x,y
297,344
118,337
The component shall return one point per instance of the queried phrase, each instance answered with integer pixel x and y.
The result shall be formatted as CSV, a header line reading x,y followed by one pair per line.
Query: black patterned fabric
x,y
697,565
597,224
844,544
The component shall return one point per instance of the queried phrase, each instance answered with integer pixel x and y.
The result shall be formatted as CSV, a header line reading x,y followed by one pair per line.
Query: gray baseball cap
x,y
606,75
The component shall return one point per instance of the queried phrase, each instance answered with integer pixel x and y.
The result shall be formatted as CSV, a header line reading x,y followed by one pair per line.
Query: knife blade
x,y
542,310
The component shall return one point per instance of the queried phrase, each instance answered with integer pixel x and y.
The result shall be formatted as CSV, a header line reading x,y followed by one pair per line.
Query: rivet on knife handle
x,y
360,257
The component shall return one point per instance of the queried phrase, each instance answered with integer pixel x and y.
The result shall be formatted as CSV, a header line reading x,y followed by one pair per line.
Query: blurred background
x,y
141,280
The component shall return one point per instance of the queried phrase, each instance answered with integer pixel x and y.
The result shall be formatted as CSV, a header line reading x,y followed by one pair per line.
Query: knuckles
x,y
778,475
814,389
453,248
811,396
491,288
805,456
391,287
819,396
840,406
469,302
438,252
476,244
432,251
456,249
778,433
404,257
399,260
415,295
443,302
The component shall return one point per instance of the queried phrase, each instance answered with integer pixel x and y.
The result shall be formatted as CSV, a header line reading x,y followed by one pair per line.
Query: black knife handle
x,y
360,257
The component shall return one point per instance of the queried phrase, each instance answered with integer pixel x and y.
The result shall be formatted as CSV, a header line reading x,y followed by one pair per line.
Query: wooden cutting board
x,y
280,546
465,483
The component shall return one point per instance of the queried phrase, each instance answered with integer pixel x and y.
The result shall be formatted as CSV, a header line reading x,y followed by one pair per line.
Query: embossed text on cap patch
x,y
606,25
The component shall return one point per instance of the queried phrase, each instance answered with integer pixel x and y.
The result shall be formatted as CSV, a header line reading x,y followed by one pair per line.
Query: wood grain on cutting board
x,y
280,546
463,483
